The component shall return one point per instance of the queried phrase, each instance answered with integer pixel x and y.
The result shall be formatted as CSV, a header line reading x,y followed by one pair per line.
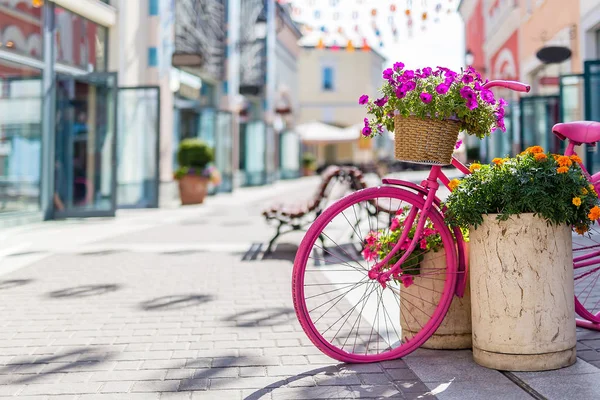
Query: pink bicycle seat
x,y
578,131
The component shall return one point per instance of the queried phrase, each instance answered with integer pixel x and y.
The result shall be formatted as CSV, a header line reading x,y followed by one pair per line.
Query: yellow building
x,y
331,81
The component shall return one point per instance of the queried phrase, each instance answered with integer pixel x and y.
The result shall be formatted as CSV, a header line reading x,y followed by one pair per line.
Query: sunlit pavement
x,y
159,304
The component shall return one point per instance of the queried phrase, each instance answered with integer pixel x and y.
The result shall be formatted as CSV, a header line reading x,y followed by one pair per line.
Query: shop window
x,y
152,57
153,7
328,79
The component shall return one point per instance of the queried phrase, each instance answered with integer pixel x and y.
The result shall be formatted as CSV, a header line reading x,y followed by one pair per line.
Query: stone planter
x,y
455,331
522,294
193,189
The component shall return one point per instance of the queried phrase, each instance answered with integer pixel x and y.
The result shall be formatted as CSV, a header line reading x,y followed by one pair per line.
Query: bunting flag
x,y
350,46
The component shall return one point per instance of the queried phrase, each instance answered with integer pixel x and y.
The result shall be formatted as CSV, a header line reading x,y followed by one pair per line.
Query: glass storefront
x,y
138,147
289,155
20,137
79,42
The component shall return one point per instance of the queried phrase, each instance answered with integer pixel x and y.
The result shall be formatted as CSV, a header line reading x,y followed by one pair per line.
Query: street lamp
x,y
469,57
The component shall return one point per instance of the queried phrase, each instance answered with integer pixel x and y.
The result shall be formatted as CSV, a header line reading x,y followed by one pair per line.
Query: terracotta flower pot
x,y
307,171
193,189
423,296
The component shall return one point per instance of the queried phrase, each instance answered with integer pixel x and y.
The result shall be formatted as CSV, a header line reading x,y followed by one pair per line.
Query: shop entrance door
x,y
538,116
85,140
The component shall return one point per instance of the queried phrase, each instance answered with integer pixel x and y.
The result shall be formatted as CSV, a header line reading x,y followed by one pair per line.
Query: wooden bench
x,y
290,218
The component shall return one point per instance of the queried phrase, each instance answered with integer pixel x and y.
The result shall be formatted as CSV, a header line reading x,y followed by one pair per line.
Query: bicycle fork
x,y
431,185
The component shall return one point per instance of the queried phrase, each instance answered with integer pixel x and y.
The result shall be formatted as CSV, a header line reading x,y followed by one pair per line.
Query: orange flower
x,y
564,161
498,161
556,156
536,149
594,213
562,170
576,159
475,167
592,189
581,229
453,184
541,156
584,191
576,201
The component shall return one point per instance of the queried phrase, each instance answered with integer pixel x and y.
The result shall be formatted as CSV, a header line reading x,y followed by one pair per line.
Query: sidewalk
x,y
159,304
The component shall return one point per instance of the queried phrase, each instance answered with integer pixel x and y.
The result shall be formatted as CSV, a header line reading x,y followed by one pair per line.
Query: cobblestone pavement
x,y
163,306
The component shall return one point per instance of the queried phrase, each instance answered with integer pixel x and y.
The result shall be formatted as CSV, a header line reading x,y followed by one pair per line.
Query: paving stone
x,y
156,386
218,395
252,371
117,387
62,388
309,393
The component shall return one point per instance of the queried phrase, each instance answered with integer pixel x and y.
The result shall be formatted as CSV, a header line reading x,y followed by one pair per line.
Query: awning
x,y
319,132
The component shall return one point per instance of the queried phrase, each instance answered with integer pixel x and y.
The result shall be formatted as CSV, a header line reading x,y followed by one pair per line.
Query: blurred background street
x,y
110,289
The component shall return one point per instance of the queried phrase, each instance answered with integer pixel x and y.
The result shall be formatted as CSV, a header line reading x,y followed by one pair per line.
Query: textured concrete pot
x,y
455,331
522,306
193,189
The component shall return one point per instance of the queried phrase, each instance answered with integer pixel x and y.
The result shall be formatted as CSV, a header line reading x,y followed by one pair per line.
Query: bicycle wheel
x,y
351,317
586,261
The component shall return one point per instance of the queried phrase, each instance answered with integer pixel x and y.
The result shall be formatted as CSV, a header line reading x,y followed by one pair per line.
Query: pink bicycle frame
x,y
428,188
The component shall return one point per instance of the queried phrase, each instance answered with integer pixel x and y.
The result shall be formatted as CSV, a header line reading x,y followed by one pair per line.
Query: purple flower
x,y
388,73
400,92
380,128
472,104
442,88
502,103
408,86
364,99
478,86
467,93
408,74
458,144
426,72
451,74
366,121
467,79
488,96
425,97
366,131
381,102
398,66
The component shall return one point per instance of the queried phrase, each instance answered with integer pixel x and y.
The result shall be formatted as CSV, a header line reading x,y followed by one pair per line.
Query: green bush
x,y
194,153
308,160
193,156
549,185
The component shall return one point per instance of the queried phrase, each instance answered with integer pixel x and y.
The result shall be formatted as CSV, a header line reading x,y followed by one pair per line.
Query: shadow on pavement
x,y
9,284
284,252
72,361
85,291
262,317
175,302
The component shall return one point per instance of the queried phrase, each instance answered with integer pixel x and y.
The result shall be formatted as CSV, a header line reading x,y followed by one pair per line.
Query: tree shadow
x,y
283,251
72,361
85,291
262,317
175,302
12,283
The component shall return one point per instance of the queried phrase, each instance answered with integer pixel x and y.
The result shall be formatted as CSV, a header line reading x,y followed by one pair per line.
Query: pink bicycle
x,y
355,310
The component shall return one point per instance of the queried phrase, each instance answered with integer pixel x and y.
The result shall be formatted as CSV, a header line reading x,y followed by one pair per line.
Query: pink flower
x,y
408,74
369,254
458,144
423,244
388,73
364,99
366,131
425,97
407,280
467,79
442,88
488,96
398,66
395,224
429,231
371,238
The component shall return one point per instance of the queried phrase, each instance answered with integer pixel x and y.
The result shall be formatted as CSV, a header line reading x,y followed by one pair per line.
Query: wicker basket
x,y
425,141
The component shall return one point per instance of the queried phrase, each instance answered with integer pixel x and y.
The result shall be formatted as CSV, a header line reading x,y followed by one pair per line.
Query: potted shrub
x,y
427,108
308,164
520,212
195,172
420,294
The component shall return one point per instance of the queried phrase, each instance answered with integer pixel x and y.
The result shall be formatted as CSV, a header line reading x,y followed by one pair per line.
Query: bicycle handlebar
x,y
512,85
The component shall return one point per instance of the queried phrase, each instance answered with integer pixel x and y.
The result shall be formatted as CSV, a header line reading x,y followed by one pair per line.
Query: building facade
x,y
97,94
326,96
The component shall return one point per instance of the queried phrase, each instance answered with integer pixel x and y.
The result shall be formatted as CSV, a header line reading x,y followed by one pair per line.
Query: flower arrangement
x,y
378,245
441,94
551,186
195,158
